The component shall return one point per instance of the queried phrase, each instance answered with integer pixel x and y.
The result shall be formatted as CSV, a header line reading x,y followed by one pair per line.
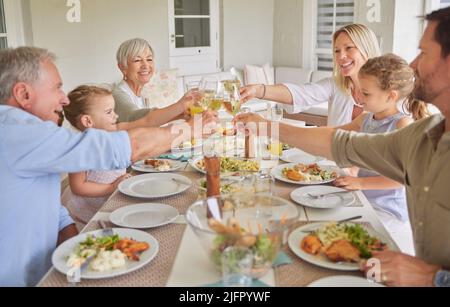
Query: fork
x,y
106,231
322,196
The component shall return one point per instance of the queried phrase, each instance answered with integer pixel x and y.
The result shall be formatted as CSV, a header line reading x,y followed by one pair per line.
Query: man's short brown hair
x,y
442,34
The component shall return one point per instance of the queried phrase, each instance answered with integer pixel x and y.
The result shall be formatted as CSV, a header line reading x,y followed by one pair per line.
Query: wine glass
x,y
232,101
211,96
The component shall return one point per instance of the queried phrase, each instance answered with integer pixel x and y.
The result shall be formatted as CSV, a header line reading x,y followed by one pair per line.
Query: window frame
x,y
310,19
15,34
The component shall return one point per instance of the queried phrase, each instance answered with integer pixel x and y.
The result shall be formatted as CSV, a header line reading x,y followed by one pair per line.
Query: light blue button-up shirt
x,y
33,154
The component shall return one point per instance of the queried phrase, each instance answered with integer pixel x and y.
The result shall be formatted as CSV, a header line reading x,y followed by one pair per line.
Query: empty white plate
x,y
144,216
155,185
344,282
300,196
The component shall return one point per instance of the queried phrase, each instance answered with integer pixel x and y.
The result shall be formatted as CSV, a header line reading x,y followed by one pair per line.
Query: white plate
x,y
297,236
298,156
195,148
144,216
277,173
193,164
61,254
154,185
344,282
330,202
141,167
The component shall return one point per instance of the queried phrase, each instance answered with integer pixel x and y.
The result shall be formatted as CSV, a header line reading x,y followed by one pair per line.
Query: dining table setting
x,y
278,222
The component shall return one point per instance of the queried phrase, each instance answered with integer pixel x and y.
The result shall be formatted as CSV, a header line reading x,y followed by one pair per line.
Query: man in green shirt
x,y
417,156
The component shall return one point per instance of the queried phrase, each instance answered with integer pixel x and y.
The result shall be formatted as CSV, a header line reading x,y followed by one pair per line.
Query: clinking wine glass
x,y
232,101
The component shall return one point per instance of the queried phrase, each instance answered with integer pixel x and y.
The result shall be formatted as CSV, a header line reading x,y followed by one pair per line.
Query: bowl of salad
x,y
260,223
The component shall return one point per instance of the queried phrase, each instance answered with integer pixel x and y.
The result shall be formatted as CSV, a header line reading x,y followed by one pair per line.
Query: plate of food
x,y
337,246
323,197
228,165
157,166
124,252
155,185
144,216
305,174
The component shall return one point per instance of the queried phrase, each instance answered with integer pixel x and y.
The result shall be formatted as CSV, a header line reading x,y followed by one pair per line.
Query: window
x,y
3,33
432,5
444,3
331,15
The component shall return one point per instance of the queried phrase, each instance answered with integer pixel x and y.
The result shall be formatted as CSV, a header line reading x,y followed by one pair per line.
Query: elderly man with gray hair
x,y
135,59
34,150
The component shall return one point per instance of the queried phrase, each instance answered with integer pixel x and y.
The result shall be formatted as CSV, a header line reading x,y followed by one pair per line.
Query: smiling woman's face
x,y
347,56
140,69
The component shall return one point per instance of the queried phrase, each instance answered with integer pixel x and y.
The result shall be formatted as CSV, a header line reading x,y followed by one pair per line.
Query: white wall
x,y
247,32
86,50
288,33
405,43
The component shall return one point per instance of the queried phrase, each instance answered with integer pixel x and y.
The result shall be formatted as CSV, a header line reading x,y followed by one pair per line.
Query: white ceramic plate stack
x,y
144,216
141,167
151,186
61,254
331,201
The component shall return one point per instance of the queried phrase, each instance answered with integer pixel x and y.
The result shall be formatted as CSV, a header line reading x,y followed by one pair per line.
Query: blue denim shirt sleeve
x,y
64,218
44,148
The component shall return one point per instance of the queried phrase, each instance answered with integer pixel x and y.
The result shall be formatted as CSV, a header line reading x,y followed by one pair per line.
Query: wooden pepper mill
x,y
212,166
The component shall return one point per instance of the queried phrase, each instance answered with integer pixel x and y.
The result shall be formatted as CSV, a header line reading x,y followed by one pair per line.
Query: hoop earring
x,y
125,78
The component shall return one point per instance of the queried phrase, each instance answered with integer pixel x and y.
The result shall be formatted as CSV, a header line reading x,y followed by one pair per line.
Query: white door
x,y
194,36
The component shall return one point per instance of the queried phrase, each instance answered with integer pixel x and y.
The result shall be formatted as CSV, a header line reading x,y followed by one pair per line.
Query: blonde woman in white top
x,y
353,45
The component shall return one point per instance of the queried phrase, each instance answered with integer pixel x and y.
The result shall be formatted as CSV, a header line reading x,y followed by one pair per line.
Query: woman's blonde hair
x,y
81,100
366,42
130,49
394,74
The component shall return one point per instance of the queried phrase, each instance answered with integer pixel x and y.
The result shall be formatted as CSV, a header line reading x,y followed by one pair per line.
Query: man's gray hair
x,y
22,64
132,48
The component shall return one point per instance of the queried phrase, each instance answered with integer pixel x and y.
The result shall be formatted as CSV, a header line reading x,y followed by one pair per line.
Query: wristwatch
x,y
442,279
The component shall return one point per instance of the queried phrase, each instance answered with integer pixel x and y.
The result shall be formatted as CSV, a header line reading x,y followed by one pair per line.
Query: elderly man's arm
x,y
151,142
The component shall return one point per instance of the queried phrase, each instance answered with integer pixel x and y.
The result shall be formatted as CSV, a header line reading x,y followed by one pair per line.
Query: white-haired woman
x,y
135,59
353,45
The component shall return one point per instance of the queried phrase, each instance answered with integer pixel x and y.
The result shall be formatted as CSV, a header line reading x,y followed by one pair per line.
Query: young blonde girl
x,y
385,82
91,107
